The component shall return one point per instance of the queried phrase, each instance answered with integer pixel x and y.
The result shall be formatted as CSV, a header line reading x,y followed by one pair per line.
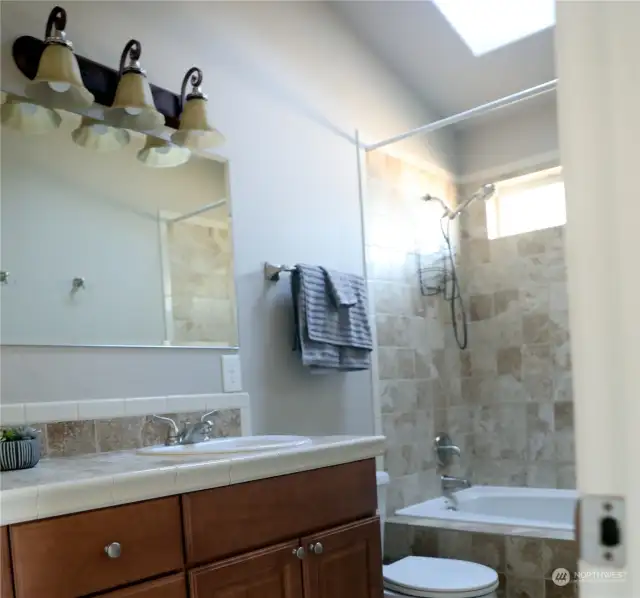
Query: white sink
x,y
240,444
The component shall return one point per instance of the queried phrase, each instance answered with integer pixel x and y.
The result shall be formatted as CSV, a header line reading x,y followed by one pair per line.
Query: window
x,y
527,203
485,25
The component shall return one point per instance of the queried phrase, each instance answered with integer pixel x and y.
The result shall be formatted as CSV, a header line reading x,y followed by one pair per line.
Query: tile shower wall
x,y
418,368
516,373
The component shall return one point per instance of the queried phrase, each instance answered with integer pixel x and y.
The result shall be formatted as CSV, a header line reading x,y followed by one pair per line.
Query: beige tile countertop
x,y
73,484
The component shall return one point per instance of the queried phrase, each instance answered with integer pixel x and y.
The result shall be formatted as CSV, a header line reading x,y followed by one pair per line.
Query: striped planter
x,y
19,454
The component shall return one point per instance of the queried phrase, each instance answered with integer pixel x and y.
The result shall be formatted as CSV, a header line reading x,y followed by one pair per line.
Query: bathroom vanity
x,y
313,534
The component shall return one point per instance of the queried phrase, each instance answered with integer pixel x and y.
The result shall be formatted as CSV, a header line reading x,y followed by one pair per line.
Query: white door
x,y
598,62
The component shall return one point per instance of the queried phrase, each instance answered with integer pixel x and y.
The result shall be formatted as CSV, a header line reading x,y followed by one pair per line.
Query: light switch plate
x,y
231,373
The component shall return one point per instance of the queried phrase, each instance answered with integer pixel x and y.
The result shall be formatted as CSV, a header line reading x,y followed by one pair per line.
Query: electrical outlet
x,y
231,373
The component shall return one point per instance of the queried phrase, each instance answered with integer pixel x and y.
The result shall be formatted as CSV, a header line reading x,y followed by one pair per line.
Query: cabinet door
x,y
167,587
6,580
273,572
344,562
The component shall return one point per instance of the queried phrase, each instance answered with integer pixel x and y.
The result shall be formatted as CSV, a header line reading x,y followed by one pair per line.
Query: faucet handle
x,y
207,414
173,431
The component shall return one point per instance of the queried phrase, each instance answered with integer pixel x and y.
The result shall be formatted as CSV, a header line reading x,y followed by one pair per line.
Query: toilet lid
x,y
439,578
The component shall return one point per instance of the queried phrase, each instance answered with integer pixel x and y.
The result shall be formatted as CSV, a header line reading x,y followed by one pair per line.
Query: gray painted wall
x,y
288,86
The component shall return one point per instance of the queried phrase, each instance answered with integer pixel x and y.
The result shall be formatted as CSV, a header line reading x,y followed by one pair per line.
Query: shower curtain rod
x,y
204,208
521,96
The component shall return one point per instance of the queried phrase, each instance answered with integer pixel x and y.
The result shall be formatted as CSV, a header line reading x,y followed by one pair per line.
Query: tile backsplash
x,y
69,438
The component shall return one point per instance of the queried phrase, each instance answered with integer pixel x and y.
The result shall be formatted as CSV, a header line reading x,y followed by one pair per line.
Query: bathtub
x,y
537,512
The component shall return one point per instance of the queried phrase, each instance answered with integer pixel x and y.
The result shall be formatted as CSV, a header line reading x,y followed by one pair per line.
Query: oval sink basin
x,y
240,444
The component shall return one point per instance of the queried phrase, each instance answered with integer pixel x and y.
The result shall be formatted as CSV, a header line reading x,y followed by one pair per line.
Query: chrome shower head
x,y
485,193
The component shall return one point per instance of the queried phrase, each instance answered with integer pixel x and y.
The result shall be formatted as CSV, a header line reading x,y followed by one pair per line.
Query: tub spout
x,y
451,485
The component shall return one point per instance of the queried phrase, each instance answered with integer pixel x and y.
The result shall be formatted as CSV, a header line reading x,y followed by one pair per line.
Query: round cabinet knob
x,y
113,550
299,552
316,548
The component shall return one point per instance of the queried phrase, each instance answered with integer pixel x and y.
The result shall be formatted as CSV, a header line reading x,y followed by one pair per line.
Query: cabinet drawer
x,y
167,587
66,558
226,521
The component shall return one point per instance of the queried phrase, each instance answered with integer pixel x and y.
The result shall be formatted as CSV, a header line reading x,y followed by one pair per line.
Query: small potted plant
x,y
19,448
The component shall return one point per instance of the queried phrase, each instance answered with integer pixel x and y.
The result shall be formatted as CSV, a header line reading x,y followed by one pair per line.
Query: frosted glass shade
x,y
58,82
158,153
27,117
100,137
195,132
133,106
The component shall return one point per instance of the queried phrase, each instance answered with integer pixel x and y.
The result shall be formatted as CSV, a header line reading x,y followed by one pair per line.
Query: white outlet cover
x,y
231,373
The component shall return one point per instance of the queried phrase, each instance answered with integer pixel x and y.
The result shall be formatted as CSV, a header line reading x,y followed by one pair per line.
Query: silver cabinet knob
x,y
299,552
113,550
316,548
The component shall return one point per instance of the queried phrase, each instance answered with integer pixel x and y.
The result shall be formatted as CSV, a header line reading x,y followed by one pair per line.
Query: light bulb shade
x,y
195,131
133,106
158,153
27,117
58,82
98,136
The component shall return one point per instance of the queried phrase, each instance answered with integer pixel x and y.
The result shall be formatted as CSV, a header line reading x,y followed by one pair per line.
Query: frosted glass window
x,y
525,204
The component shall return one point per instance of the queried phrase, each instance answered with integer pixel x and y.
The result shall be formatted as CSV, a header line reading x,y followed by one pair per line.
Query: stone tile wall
x,y
516,373
419,370
524,564
65,439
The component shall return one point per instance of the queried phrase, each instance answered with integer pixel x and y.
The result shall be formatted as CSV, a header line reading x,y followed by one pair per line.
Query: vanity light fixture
x,y
58,82
98,136
158,153
195,132
28,117
133,106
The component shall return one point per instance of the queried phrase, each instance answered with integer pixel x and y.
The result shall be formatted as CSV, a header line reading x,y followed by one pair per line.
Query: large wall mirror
x,y
100,248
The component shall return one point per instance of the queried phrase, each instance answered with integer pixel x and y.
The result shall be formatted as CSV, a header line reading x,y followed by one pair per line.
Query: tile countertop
x,y
73,484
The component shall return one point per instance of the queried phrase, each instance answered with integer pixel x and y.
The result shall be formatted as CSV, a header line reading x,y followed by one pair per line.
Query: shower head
x,y
485,192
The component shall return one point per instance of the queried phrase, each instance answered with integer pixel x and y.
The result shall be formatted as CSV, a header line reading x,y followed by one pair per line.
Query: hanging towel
x,y
330,336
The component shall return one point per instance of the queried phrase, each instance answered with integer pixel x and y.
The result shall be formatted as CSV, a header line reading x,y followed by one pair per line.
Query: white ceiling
x,y
415,41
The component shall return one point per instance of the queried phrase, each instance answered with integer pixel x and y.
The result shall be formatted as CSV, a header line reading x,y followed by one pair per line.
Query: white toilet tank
x,y
382,480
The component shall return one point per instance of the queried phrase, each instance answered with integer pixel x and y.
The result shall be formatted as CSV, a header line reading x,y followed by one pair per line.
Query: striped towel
x,y
331,317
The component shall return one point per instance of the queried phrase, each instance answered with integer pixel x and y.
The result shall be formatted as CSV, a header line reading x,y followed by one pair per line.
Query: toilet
x,y
426,577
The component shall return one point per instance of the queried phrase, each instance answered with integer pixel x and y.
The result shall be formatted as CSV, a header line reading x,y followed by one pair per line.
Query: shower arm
x,y
485,192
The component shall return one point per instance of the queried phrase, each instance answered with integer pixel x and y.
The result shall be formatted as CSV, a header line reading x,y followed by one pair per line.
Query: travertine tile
x,y
535,328
489,550
119,434
536,360
524,588
476,251
566,475
564,554
453,544
542,474
530,244
505,300
398,541
553,590
565,439
71,438
509,361
527,557
425,542
480,307
540,432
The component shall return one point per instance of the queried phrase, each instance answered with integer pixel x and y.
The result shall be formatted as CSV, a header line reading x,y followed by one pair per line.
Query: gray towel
x,y
329,336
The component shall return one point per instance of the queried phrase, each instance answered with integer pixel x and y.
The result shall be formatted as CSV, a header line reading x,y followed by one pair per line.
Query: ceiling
x,y
416,42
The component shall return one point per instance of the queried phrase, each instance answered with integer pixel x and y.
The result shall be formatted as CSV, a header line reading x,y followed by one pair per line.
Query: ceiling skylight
x,y
485,25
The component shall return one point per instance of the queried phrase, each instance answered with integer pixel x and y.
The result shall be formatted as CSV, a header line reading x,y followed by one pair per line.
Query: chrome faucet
x,y
190,433
450,485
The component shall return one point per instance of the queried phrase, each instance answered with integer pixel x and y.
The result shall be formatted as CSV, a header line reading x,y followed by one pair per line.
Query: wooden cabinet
x,y
228,521
345,562
260,539
6,581
167,587
65,557
273,572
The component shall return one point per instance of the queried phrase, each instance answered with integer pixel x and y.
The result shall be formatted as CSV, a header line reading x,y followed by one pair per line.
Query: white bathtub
x,y
520,511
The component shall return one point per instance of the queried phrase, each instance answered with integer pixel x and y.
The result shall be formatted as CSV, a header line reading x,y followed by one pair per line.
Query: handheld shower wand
x,y
454,296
